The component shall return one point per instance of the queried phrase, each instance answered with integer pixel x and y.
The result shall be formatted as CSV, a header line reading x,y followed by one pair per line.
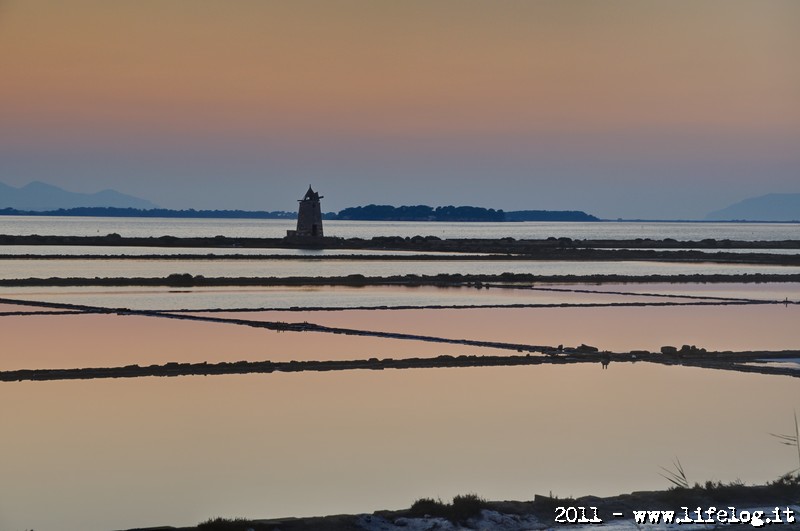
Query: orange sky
x,y
426,81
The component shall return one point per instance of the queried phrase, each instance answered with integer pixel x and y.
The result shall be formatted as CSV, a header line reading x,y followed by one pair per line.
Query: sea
x,y
272,228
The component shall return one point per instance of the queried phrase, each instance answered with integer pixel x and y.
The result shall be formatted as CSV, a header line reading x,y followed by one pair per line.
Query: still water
x,y
114,340
109,251
286,297
99,250
110,268
305,296
102,455
272,228
117,454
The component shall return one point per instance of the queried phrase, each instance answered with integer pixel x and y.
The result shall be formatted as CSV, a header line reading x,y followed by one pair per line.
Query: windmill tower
x,y
309,217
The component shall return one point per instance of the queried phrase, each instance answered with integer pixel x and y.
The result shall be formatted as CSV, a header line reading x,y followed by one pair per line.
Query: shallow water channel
x,y
124,453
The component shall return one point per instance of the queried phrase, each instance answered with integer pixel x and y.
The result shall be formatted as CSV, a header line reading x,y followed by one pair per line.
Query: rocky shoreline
x,y
416,243
686,356
357,280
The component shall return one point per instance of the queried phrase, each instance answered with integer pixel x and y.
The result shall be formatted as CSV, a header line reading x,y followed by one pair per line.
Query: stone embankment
x,y
736,361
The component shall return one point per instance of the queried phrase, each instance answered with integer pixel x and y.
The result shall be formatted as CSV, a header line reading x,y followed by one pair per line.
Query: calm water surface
x,y
99,250
21,268
118,454
755,290
145,227
390,296
113,340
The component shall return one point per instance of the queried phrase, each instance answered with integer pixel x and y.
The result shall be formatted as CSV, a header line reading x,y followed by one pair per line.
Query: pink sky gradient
x,y
680,107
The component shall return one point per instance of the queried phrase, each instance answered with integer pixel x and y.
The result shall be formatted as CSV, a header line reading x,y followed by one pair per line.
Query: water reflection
x,y
75,341
755,290
276,228
93,454
20,268
310,296
618,329
99,250
113,340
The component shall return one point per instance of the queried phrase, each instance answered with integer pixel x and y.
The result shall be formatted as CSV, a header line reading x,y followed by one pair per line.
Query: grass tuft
x,y
429,507
466,506
791,440
677,477
225,524
463,507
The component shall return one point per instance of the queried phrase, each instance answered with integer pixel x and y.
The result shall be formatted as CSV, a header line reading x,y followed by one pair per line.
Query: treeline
x,y
451,213
549,215
362,213
420,213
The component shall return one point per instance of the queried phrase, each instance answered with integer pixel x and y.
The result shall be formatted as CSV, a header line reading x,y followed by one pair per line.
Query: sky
x,y
620,108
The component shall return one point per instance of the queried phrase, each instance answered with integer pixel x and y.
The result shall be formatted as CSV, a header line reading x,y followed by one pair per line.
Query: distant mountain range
x,y
116,212
39,196
42,199
770,207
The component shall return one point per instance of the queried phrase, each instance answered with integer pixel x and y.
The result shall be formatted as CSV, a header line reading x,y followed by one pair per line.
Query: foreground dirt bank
x,y
472,513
